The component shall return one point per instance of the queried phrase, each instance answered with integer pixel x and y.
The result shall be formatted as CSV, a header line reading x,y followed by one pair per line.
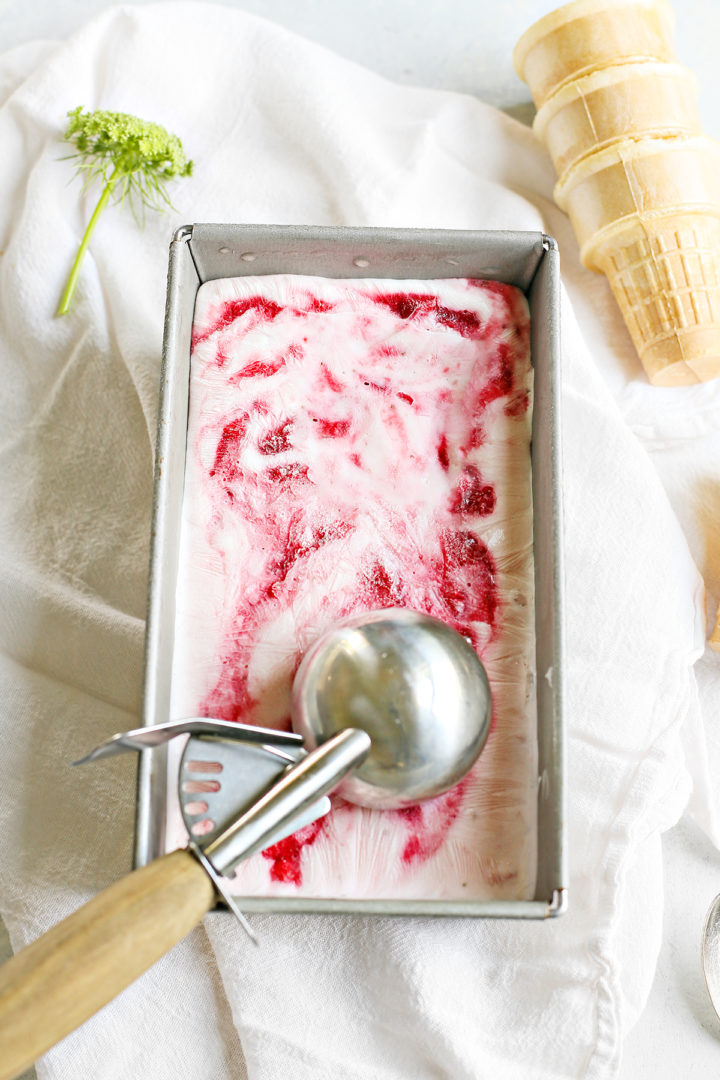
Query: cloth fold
x,y
283,131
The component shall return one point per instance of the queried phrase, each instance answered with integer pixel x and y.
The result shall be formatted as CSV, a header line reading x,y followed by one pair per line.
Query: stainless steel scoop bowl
x,y
415,685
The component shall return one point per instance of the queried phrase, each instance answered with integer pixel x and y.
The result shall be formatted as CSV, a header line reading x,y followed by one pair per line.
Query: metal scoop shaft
x,y
301,786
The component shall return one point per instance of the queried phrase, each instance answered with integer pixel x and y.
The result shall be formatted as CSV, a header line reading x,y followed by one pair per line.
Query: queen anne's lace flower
x,y
133,158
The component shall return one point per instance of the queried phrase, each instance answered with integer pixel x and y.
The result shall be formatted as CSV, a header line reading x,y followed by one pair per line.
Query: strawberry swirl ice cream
x,y
355,445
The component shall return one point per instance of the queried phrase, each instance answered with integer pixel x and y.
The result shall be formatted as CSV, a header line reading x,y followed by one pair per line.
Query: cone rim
x,y
625,150
649,222
599,79
578,9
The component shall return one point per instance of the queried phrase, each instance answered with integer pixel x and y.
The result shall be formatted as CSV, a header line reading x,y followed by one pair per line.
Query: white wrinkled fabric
x,y
283,131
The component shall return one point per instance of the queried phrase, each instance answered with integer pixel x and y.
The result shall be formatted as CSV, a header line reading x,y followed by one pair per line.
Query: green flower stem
x,y
75,272
117,148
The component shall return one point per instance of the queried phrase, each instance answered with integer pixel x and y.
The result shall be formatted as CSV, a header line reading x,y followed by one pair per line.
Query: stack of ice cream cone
x,y
639,180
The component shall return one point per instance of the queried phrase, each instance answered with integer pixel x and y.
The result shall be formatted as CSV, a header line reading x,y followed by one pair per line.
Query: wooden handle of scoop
x,y
56,983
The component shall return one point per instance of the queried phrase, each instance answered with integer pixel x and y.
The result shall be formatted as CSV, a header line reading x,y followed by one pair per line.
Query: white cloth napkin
x,y
283,131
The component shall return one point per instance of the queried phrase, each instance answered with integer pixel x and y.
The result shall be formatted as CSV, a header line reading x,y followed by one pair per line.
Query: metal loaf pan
x,y
529,260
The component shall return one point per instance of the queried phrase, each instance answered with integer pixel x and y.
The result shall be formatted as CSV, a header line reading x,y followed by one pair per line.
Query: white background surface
x,y
466,46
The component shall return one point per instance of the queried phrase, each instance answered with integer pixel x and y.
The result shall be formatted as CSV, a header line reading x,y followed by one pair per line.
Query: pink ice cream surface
x,y
354,445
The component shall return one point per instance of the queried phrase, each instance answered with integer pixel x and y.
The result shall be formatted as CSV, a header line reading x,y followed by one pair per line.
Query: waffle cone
x,y
587,35
635,180
641,100
665,275
715,636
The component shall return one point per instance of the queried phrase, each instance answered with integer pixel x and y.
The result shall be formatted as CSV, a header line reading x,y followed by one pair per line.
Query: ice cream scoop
x,y
415,685
411,683
58,981
711,953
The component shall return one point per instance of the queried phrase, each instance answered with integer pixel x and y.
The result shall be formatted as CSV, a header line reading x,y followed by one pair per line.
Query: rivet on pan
x,y
248,256
361,262
224,250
